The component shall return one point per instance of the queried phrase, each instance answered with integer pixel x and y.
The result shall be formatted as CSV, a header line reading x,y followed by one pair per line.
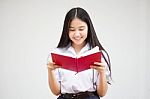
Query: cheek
x,y
85,36
85,33
70,34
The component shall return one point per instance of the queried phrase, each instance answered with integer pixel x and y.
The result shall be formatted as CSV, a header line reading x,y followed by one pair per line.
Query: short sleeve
x,y
57,71
105,60
49,58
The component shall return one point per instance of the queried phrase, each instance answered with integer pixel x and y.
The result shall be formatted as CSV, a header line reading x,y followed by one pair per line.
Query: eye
x,y
71,29
81,29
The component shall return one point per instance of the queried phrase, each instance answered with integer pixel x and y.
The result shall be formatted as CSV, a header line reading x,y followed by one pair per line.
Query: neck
x,y
78,47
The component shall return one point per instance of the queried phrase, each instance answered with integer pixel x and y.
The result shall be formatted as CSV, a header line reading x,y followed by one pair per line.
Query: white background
x,y
29,29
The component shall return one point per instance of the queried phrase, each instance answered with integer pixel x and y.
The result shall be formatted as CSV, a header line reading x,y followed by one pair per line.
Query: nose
x,y
77,33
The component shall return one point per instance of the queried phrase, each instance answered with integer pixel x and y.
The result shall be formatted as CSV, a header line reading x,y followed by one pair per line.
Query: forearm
x,y
102,86
53,84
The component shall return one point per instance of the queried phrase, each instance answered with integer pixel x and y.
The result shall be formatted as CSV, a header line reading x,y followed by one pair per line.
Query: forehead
x,y
77,23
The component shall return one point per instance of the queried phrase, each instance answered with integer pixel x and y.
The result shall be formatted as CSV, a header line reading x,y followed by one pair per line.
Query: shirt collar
x,y
83,50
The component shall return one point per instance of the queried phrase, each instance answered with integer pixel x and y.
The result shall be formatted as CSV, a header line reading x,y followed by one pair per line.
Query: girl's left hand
x,y
100,67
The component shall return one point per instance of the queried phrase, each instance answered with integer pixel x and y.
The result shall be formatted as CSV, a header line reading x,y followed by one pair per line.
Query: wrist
x,y
50,69
102,72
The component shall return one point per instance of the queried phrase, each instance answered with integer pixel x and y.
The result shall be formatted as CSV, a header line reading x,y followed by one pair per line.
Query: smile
x,y
78,38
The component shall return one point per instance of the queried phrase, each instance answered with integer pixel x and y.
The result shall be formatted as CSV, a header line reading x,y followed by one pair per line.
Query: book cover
x,y
76,64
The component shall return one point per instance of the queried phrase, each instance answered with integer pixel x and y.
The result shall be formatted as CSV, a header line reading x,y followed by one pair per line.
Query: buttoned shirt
x,y
73,82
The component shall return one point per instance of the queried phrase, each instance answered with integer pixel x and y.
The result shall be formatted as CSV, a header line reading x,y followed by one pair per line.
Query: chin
x,y
78,43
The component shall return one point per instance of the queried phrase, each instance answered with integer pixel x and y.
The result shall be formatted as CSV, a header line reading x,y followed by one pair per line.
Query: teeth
x,y
77,38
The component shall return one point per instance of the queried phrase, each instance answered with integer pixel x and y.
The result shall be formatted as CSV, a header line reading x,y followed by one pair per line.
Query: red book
x,y
76,64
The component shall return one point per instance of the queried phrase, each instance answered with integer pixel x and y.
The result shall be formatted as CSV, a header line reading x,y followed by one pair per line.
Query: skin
x,y
78,32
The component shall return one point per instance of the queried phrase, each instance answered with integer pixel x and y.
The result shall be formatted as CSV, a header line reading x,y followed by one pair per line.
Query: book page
x,y
92,51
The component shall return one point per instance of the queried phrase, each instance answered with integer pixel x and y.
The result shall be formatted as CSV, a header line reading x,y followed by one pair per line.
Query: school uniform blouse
x,y
73,82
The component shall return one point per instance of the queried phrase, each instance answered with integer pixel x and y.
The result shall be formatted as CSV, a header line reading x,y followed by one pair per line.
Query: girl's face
x,y
78,31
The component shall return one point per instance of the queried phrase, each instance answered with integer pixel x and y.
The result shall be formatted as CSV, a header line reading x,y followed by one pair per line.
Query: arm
x,y
53,84
102,86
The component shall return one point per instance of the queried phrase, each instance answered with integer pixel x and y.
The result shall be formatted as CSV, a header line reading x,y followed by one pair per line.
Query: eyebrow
x,y
78,27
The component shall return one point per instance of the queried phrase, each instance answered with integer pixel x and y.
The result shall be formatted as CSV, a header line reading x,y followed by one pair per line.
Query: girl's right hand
x,y
52,66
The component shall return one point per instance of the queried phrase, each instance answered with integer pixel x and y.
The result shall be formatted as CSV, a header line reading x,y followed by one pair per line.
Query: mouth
x,y
78,38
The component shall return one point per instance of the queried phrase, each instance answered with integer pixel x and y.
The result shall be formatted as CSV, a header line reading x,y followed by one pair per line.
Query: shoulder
x,y
105,56
55,50
104,53
58,50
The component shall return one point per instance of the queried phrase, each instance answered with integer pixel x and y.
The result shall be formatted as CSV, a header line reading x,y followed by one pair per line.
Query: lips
x,y
78,38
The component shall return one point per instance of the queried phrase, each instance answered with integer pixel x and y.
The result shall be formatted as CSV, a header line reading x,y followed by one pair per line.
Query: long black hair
x,y
92,39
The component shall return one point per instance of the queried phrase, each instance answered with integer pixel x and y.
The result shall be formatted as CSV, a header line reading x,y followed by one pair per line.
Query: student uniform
x,y
72,82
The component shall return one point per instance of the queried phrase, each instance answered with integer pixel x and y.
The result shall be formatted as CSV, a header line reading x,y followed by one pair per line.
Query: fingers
x,y
97,67
100,67
99,64
52,66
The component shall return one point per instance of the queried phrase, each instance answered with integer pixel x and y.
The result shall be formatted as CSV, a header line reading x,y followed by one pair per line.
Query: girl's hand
x,y
100,67
52,66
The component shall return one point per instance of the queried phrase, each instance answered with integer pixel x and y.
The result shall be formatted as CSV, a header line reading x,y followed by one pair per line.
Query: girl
x,y
78,36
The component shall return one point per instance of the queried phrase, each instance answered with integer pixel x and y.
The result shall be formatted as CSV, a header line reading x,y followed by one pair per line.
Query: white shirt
x,y
72,82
